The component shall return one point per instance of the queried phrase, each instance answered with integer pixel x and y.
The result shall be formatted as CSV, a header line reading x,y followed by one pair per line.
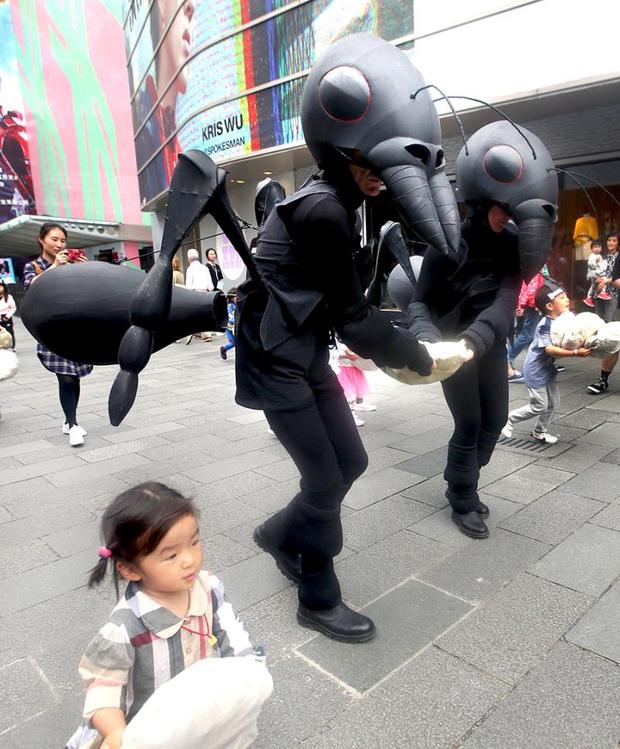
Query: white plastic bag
x,y
9,364
606,341
448,356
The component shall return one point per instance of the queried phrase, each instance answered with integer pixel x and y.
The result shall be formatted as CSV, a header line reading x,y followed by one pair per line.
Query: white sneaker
x,y
358,421
76,436
507,430
549,439
364,407
67,430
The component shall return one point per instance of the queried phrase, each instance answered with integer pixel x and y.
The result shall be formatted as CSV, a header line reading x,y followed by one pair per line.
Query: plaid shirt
x,y
144,645
29,270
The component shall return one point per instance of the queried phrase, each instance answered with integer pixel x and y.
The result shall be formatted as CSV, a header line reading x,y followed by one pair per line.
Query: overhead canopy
x,y
19,235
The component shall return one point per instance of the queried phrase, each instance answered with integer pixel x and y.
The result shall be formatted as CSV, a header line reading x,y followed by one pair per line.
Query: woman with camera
x,y
53,241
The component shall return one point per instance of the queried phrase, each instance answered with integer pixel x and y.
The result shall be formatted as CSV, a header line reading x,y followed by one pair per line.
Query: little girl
x,y
352,380
153,679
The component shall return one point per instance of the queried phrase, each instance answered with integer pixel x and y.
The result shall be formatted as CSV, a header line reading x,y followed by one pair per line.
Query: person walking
x,y
7,310
213,267
53,241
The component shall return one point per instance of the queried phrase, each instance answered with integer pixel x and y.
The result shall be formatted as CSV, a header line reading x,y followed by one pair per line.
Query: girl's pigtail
x,y
98,572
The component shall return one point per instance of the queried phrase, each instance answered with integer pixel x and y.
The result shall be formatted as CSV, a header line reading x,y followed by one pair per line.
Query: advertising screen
x,y
201,72
16,189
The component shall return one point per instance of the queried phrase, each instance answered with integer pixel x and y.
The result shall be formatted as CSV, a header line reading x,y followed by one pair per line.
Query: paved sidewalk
x,y
509,642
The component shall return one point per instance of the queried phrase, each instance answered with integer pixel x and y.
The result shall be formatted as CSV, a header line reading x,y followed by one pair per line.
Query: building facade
x,y
65,97
226,76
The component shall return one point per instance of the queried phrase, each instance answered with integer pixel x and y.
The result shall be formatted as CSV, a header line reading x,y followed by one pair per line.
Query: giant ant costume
x,y
360,118
502,172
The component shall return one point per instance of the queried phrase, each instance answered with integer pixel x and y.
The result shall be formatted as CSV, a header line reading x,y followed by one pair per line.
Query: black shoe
x,y
598,387
482,509
288,564
471,524
340,623
223,353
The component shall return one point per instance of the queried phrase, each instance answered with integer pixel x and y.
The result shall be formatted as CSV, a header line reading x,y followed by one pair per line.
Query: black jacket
x,y
473,296
309,287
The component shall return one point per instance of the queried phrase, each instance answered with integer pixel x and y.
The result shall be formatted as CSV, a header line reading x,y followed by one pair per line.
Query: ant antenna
x,y
593,181
447,99
574,178
490,106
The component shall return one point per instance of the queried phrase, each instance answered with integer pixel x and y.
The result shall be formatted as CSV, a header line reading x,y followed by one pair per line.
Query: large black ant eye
x,y
344,94
503,164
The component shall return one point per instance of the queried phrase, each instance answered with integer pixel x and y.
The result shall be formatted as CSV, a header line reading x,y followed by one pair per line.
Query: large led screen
x,y
201,72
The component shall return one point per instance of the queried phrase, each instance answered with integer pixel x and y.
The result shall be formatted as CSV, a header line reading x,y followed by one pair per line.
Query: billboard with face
x,y
71,62
226,76
16,189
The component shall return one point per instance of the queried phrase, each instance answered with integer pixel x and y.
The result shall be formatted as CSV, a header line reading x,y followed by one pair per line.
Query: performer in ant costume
x,y
364,127
502,173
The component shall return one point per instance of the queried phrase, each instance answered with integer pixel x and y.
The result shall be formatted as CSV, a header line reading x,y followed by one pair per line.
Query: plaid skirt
x,y
58,365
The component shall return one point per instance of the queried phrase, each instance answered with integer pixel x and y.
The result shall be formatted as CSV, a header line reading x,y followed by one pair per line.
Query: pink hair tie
x,y
104,552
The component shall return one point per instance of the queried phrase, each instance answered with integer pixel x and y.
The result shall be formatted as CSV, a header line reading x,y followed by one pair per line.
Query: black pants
x,y
477,396
324,443
8,326
69,392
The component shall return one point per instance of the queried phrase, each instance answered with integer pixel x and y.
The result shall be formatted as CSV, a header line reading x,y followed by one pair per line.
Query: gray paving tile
x,y
384,457
377,486
5,515
225,515
229,467
428,464
431,491
428,704
44,468
609,517
552,517
101,470
252,580
605,434
28,529
510,633
416,424
279,470
598,630
45,582
577,458
302,702
439,525
475,573
25,692
612,457
272,623
601,481
367,526
274,496
588,560
585,418
145,445
130,435
24,556
39,447
376,569
73,540
518,489
570,701
408,618
222,552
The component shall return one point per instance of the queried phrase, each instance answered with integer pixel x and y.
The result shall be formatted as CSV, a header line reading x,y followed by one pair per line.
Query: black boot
x,y
340,623
471,524
272,536
481,508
